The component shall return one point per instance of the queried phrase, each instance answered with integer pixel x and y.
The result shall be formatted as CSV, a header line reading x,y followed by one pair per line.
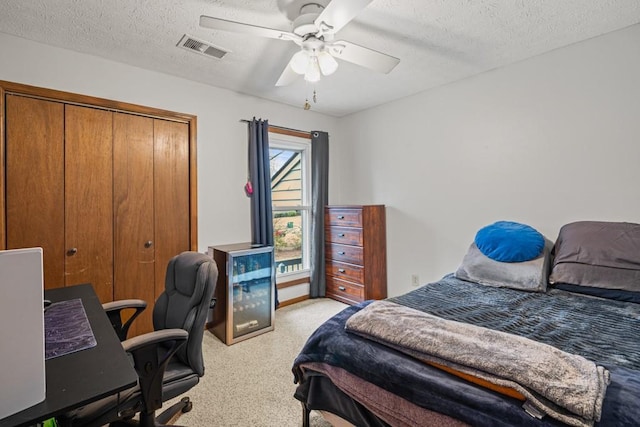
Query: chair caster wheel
x,y
188,405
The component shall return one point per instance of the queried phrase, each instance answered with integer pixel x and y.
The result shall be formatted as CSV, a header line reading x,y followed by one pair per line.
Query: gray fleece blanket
x,y
564,386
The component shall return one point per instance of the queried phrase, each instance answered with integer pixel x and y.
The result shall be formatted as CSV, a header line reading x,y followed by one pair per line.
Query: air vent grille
x,y
200,46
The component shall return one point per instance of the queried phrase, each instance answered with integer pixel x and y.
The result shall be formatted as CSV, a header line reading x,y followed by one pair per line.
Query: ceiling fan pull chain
x,y
307,105
315,98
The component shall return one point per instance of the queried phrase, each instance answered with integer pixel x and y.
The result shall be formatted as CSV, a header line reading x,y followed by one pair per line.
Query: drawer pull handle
x,y
341,253
340,234
342,288
341,270
340,216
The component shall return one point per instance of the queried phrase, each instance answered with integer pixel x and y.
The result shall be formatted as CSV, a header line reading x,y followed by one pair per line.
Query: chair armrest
x,y
114,311
124,303
154,338
150,363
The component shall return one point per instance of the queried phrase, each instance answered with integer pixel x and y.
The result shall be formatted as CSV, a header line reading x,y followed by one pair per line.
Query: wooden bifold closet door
x,y
171,177
133,207
106,194
88,198
34,181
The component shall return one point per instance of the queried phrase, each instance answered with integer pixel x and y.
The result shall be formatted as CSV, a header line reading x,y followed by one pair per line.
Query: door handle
x,y
148,244
72,251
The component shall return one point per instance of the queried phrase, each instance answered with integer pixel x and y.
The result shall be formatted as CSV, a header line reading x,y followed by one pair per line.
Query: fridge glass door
x,y
251,297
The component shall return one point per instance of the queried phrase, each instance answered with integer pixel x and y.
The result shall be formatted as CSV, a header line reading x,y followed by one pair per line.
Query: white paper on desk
x,y
22,370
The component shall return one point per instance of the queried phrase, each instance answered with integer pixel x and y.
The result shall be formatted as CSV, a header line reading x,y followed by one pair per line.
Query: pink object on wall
x,y
248,188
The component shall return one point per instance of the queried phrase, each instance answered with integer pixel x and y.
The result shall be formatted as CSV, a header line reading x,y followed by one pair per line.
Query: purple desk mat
x,y
66,329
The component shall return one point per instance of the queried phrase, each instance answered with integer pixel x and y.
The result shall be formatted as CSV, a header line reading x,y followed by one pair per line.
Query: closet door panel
x,y
35,181
171,194
134,246
89,198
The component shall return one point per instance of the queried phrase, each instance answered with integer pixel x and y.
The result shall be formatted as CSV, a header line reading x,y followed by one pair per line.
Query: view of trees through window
x,y
287,228
290,212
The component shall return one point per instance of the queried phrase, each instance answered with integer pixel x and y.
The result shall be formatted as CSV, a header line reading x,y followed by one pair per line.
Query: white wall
x,y
223,208
546,141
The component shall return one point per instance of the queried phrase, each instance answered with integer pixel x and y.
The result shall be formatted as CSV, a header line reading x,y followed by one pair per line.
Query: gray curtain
x,y
320,198
260,178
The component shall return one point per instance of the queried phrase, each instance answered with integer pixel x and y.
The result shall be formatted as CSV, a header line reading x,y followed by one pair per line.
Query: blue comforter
x,y
436,390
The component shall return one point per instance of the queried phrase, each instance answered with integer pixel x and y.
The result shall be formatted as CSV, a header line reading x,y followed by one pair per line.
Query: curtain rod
x,y
279,127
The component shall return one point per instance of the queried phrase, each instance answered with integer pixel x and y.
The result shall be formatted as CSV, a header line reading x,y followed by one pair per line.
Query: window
x,y
290,164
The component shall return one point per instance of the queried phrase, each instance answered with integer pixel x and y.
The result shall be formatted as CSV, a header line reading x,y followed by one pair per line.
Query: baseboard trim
x,y
293,301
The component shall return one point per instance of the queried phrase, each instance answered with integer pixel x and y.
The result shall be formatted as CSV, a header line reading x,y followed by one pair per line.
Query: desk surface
x,y
79,378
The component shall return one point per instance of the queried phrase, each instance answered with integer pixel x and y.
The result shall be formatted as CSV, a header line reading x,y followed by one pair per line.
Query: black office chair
x,y
166,367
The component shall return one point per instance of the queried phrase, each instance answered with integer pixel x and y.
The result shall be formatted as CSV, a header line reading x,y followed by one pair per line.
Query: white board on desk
x,y
22,370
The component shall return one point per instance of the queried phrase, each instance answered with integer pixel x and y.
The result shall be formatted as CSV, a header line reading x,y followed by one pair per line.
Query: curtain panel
x,y
260,179
320,198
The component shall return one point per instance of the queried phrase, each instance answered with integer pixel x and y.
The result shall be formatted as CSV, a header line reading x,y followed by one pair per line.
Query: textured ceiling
x,y
437,41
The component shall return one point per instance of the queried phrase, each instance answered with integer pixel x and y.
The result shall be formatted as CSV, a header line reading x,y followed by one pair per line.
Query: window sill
x,y
292,279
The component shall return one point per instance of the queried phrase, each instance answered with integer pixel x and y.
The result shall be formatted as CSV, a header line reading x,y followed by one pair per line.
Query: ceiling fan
x,y
313,30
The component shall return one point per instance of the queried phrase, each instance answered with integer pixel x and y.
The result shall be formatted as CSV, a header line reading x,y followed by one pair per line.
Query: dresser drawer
x,y
344,235
344,217
343,253
342,290
341,270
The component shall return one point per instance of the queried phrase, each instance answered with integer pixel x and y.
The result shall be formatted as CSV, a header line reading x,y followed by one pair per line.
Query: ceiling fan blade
x,y
288,75
239,27
363,56
338,13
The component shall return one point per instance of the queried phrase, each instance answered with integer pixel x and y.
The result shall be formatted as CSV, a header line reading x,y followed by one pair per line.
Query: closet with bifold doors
x,y
107,189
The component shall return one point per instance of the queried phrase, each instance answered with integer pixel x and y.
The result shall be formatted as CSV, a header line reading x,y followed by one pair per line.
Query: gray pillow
x,y
526,276
598,254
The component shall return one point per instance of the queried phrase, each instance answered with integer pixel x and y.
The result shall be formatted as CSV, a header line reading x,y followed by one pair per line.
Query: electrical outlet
x,y
415,280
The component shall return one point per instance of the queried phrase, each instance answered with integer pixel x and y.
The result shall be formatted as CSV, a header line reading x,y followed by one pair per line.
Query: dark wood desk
x,y
79,378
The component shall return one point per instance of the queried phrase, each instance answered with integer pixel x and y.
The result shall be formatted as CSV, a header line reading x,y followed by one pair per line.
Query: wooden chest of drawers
x,y
355,252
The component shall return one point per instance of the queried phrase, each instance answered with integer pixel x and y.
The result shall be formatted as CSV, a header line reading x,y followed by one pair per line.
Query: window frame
x,y
286,141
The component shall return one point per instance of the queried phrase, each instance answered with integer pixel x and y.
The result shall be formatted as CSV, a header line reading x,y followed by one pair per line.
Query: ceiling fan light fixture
x,y
300,62
312,74
327,63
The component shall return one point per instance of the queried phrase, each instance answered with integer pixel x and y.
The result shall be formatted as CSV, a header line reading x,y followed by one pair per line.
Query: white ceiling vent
x,y
202,47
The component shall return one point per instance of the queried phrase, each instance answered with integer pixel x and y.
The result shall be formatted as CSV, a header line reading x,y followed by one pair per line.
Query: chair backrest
x,y
189,285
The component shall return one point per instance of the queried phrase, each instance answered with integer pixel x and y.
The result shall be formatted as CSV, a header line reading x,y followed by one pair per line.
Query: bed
x,y
587,316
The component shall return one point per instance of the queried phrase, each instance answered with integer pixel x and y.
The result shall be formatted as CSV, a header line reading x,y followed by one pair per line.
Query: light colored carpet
x,y
250,383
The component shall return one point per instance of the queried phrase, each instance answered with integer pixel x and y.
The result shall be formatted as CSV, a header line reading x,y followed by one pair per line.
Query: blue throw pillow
x,y
507,241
